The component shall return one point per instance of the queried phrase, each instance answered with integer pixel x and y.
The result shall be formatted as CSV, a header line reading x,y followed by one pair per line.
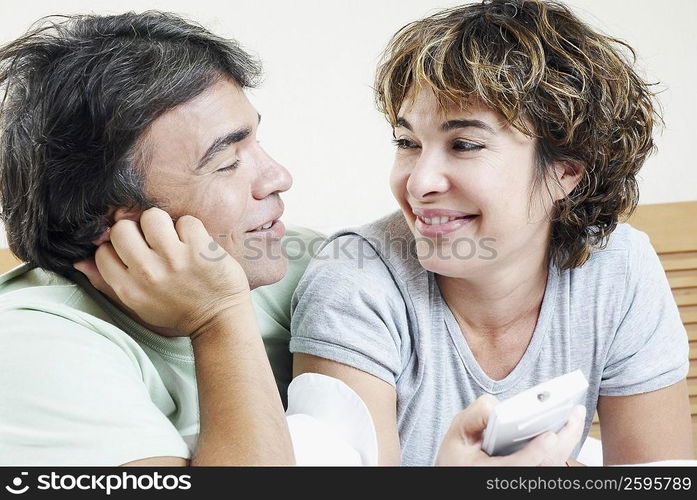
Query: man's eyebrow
x,y
454,124
224,141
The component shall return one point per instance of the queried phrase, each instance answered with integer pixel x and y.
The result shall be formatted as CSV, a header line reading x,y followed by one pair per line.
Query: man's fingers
x,y
159,232
192,231
129,243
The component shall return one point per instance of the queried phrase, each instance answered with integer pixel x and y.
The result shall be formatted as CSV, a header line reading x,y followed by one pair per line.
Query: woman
x,y
519,133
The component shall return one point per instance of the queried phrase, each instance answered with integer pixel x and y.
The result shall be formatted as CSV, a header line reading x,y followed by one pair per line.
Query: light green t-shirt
x,y
83,384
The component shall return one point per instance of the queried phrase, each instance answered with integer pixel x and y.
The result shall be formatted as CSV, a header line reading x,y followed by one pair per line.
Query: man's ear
x,y
569,173
121,213
114,215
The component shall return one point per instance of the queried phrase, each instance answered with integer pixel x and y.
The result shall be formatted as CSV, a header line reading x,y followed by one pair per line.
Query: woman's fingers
x,y
571,433
89,269
539,451
192,231
550,448
471,422
461,445
112,272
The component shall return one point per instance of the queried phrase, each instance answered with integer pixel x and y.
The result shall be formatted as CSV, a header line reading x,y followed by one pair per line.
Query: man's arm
x,y
153,271
646,427
242,419
239,426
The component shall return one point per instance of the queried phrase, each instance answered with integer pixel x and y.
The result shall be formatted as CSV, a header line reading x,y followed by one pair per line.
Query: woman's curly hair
x,y
552,77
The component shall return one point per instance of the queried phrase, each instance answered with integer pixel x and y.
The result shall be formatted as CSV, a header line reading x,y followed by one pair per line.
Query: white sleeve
x,y
329,423
70,396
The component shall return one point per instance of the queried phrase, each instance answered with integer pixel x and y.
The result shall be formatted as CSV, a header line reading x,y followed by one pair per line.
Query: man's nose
x,y
273,178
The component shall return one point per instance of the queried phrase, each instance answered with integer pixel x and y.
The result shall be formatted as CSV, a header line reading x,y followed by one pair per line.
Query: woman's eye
x,y
404,144
466,146
230,167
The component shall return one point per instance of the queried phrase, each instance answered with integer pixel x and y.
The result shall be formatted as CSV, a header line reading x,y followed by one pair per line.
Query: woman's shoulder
x,y
627,243
381,248
627,256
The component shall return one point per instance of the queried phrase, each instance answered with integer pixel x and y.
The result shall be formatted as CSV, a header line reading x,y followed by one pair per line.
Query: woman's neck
x,y
499,302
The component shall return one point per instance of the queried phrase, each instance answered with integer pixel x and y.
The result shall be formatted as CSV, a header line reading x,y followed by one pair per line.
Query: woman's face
x,y
463,179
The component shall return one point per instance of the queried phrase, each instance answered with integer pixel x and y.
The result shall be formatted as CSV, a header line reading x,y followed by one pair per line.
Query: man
x,y
105,119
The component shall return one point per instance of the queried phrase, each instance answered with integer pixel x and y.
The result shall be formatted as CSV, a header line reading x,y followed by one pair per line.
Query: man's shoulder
x,y
299,246
33,288
41,308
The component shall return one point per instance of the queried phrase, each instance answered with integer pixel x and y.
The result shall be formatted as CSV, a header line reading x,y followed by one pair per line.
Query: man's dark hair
x,y
78,93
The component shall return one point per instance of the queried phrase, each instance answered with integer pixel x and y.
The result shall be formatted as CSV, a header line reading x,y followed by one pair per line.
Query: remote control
x,y
545,407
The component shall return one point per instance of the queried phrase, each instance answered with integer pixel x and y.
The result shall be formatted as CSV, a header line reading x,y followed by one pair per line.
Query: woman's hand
x,y
154,268
462,444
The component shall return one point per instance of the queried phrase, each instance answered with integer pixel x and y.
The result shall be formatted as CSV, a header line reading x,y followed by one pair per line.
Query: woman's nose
x,y
427,178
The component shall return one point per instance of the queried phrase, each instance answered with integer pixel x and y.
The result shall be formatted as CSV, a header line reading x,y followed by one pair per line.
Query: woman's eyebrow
x,y
402,122
451,125
454,124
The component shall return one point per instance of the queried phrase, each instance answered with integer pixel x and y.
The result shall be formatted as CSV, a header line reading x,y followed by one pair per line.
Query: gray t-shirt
x,y
365,301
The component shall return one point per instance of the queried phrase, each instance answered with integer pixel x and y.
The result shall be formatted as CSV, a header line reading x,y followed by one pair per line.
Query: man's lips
x,y
275,231
271,228
266,222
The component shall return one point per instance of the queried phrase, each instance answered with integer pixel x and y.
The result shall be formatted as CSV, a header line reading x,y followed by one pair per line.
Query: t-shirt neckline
x,y
172,347
526,363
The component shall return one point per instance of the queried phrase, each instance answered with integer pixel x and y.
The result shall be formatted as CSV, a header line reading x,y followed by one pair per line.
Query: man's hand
x,y
462,444
154,268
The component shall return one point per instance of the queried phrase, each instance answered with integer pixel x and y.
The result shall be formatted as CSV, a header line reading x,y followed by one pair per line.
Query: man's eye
x,y
230,167
466,146
404,144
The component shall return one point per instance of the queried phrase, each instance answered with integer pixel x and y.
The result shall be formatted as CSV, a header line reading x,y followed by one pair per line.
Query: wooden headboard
x,y
672,228
7,260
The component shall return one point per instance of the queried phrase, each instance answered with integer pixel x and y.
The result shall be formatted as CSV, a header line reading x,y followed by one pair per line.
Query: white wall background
x,y
319,58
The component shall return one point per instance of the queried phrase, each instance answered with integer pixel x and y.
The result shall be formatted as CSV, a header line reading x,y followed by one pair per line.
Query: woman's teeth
x,y
439,220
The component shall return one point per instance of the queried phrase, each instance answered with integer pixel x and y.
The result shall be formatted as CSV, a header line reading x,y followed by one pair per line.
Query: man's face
x,y
204,160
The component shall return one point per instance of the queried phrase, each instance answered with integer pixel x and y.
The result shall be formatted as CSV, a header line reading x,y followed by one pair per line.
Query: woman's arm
x,y
379,396
461,445
646,427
